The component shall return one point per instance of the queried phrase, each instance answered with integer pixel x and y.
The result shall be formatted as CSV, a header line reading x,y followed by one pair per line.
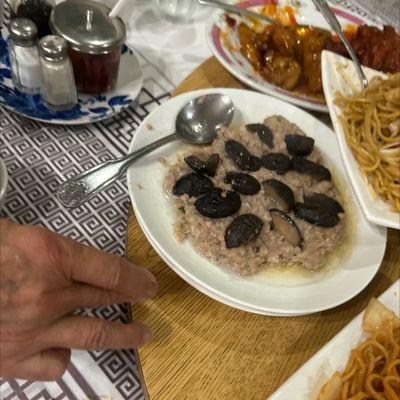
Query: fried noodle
x,y
373,369
371,122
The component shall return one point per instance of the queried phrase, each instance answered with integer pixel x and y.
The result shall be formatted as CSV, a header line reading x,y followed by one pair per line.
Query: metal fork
x,y
238,10
330,17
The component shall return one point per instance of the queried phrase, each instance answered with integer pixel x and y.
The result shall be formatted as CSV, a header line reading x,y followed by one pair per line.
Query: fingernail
x,y
147,336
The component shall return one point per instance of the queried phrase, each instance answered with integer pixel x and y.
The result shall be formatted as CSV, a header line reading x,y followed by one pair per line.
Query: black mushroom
x,y
278,162
196,164
241,156
212,164
218,204
208,167
243,183
316,215
192,184
263,132
299,145
284,225
324,201
304,166
280,194
242,230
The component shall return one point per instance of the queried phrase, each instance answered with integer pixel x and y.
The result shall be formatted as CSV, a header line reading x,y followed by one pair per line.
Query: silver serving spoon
x,y
330,17
238,10
197,123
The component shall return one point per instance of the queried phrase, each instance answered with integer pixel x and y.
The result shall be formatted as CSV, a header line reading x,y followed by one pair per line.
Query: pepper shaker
x,y
24,57
58,89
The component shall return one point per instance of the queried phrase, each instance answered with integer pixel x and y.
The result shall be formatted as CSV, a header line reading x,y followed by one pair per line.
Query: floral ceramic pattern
x,y
89,108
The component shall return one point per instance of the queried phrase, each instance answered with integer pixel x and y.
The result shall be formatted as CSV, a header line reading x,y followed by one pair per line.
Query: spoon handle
x,y
330,17
78,190
238,10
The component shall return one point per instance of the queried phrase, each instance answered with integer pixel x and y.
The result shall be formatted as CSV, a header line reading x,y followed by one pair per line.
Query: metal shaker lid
x,y
87,27
53,48
23,31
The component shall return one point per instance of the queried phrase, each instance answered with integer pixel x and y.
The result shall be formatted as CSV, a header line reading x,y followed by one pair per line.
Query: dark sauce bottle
x,y
37,11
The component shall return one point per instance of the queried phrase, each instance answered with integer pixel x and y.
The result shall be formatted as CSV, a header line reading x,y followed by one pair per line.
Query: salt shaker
x,y
24,57
58,89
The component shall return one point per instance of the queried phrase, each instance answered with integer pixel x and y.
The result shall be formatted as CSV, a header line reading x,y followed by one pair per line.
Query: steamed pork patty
x,y
263,204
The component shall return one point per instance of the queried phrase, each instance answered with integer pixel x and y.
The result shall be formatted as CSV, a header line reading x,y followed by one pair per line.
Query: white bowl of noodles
x,y
369,171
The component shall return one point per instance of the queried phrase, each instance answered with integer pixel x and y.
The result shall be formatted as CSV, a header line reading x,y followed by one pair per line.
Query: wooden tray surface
x,y
205,350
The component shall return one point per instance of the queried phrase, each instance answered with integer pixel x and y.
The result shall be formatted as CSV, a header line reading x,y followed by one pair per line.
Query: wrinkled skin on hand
x,y
44,278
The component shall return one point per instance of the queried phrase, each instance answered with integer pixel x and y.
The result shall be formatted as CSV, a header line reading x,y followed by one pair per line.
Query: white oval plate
x,y
306,383
237,65
255,294
374,209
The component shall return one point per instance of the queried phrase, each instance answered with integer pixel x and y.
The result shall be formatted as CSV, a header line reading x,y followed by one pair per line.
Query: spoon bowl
x,y
200,119
196,123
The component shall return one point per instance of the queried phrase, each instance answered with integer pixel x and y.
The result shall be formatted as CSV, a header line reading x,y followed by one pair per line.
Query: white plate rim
x,y
375,210
193,283
206,289
3,182
355,323
266,87
213,295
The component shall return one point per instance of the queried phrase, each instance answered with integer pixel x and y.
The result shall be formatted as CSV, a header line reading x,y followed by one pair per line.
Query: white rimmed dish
x,y
306,383
374,209
231,58
3,183
155,216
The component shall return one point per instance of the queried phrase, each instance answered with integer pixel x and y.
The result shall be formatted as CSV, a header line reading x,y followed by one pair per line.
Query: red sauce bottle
x,y
95,42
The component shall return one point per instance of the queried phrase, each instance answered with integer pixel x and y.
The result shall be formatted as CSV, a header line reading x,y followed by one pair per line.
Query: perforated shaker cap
x,y
23,32
53,48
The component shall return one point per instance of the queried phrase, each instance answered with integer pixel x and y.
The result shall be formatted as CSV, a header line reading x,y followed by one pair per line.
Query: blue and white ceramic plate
x,y
89,108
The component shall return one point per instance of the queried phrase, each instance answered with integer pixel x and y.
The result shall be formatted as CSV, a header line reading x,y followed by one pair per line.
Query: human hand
x,y
44,277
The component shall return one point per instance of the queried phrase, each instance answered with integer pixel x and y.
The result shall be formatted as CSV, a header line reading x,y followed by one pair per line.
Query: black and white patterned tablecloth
x,y
39,157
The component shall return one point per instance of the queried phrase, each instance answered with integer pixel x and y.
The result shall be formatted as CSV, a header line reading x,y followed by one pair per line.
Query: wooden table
x,y
204,350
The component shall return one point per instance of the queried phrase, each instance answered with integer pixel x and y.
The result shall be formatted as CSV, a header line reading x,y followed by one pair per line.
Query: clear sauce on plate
x,y
296,274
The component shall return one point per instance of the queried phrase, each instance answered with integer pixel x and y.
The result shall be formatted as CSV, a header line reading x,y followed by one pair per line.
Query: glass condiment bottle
x,y
36,10
24,57
95,42
58,89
